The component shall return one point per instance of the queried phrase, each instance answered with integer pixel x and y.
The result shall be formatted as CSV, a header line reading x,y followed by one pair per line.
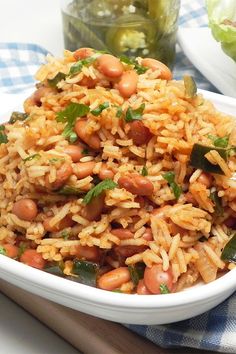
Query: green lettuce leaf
x,y
222,21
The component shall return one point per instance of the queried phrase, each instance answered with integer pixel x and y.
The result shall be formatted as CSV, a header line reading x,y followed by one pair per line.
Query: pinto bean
x,y
93,210
62,175
88,82
63,224
142,289
25,209
154,64
127,85
92,140
33,259
11,250
105,172
139,133
129,250
190,198
83,53
114,279
136,184
84,169
147,235
89,253
154,277
206,179
39,93
110,66
122,234
75,152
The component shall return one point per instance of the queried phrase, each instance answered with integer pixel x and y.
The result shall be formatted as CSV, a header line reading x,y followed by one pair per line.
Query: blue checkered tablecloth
x,y
214,330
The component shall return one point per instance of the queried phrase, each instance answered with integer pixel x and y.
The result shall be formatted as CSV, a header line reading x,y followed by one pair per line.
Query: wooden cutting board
x,y
88,334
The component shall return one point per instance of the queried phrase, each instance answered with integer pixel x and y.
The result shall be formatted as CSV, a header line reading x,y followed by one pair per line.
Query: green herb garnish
x,y
229,251
22,248
219,142
32,157
87,271
69,116
15,116
98,189
119,112
219,210
164,289
65,234
144,171
190,87
129,61
3,136
3,251
170,178
198,159
53,82
134,114
136,272
85,151
97,111
77,67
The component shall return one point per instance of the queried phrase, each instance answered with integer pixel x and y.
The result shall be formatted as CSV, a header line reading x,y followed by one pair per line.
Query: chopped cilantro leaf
x,y
22,248
119,112
65,234
97,111
32,157
85,151
219,142
98,189
77,67
170,178
3,251
3,136
129,61
164,289
53,82
134,114
144,171
69,116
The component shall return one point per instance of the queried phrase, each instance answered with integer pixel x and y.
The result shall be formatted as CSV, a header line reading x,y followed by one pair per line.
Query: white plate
x,y
208,57
152,309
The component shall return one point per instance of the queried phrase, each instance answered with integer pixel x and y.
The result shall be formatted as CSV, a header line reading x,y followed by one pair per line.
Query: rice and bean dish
x,y
117,176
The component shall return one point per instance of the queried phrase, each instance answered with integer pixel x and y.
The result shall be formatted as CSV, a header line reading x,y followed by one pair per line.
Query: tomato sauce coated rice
x,y
101,179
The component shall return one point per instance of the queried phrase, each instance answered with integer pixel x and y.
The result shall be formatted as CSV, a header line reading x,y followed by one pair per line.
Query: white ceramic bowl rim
x,y
70,289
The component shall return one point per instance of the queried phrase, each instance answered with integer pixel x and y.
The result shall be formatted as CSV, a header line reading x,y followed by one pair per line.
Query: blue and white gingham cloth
x,y
214,330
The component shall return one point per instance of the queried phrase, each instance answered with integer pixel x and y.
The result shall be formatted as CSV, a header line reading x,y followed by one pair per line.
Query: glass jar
x,y
145,28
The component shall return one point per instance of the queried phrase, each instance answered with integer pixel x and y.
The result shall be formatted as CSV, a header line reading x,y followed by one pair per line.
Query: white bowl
x,y
133,309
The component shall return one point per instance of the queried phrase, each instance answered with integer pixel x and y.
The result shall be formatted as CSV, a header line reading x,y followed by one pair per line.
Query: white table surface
x,y
30,21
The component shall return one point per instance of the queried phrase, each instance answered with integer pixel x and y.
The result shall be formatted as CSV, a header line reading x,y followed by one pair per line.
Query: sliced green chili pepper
x,y
198,159
229,252
136,272
190,87
87,271
18,116
131,34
